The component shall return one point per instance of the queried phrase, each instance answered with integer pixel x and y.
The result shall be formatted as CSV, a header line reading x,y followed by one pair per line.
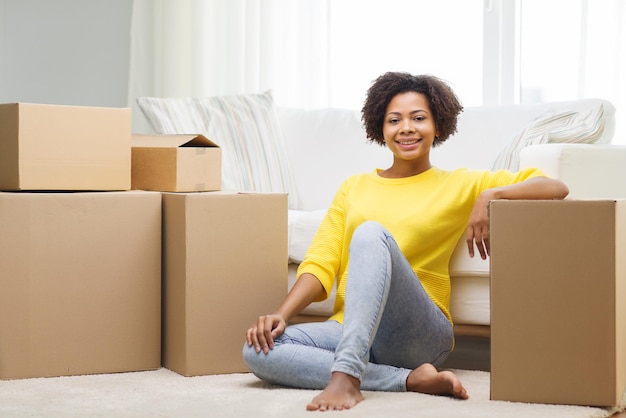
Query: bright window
x,y
368,38
550,50
574,49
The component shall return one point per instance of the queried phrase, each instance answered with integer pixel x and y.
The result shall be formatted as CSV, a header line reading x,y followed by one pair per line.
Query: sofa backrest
x,y
325,146
483,132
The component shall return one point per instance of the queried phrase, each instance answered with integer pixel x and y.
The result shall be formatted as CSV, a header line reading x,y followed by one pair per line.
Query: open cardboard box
x,y
176,163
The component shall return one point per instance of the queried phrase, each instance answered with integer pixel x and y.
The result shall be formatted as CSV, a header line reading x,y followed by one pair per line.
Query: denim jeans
x,y
390,327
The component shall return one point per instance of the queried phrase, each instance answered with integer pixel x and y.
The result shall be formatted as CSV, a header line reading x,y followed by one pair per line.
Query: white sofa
x,y
326,146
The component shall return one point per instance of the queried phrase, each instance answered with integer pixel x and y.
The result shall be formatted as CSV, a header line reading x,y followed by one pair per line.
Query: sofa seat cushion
x,y
462,265
302,226
470,300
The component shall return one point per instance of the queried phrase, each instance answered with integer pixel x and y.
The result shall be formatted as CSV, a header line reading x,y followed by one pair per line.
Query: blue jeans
x,y
390,327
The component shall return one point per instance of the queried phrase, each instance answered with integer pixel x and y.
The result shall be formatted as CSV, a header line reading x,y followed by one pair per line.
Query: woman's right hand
x,y
262,334
269,327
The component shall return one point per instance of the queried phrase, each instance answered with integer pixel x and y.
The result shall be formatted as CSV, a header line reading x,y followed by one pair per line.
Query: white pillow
x,y
245,126
565,127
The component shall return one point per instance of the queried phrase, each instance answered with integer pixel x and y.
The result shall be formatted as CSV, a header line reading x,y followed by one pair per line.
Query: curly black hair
x,y
444,104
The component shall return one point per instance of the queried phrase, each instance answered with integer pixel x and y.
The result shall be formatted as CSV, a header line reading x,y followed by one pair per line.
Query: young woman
x,y
387,240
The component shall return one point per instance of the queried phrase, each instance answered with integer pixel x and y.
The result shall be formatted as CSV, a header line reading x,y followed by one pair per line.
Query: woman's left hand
x,y
533,188
478,226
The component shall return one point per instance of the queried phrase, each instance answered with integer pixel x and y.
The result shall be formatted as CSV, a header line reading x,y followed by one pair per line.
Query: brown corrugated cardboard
x,y
176,163
225,263
558,301
54,147
80,275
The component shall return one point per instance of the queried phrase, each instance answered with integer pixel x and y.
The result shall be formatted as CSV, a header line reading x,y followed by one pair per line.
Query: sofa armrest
x,y
591,171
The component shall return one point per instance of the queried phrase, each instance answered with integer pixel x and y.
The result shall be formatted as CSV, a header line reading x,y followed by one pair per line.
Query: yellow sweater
x,y
426,214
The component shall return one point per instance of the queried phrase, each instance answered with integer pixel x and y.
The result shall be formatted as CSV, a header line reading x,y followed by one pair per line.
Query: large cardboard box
x,y
80,280
176,163
558,301
225,263
55,147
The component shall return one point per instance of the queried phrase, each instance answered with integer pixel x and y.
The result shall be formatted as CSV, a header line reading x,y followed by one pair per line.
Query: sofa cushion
x,y
302,228
590,171
470,300
461,264
485,131
254,154
570,126
325,147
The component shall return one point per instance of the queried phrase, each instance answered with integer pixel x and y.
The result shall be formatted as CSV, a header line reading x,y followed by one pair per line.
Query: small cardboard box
x,y
54,147
80,275
558,301
225,263
176,163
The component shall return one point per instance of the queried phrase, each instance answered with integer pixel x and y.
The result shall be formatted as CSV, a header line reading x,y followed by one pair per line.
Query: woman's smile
x,y
408,142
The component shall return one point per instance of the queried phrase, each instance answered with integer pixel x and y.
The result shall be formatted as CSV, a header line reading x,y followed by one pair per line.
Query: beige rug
x,y
163,393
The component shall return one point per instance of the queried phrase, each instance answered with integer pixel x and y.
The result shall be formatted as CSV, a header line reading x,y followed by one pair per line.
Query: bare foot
x,y
342,392
427,379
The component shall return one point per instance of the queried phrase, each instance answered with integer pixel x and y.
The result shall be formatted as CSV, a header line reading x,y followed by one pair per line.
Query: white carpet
x,y
163,393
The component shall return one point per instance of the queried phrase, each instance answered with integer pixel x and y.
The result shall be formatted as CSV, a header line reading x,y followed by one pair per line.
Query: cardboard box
x,y
53,147
80,275
225,263
176,163
558,301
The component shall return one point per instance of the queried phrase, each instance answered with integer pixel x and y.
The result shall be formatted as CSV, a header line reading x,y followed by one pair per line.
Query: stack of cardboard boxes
x,y
119,252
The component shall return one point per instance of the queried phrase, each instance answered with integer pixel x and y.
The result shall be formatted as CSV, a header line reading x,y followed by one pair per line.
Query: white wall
x,y
72,52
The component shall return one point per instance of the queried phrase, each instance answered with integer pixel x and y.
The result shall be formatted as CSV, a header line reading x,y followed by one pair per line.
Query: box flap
x,y
171,141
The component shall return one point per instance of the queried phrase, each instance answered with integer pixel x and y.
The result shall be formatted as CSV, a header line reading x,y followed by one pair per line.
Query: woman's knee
x,y
248,354
255,361
367,232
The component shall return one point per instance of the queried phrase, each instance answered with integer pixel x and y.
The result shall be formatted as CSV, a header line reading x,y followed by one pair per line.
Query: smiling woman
x,y
385,245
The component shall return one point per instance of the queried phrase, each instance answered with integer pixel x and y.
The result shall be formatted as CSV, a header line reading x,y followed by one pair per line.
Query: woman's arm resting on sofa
x,y
534,188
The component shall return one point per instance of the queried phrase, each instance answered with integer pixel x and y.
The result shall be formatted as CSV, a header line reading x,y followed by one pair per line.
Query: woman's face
x,y
409,127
